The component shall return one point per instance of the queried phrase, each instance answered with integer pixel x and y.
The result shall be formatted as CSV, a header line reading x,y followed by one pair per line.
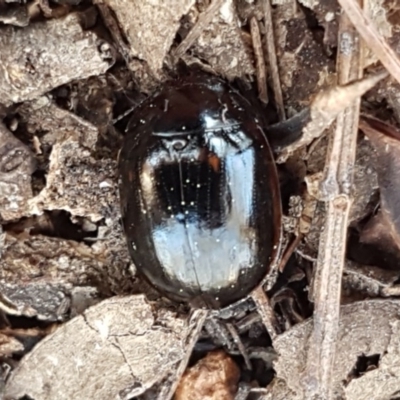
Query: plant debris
x,y
71,304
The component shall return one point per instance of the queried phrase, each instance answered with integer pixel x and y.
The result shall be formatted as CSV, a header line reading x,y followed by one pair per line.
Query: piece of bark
x,y
222,45
43,300
304,67
386,140
366,328
48,54
139,69
378,380
149,27
42,115
76,182
38,273
16,166
83,185
134,342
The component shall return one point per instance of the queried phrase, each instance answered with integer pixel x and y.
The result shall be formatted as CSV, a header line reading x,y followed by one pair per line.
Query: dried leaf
x,y
213,377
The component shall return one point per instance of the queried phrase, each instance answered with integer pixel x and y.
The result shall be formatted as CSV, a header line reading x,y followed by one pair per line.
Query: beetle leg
x,y
226,333
300,130
287,132
216,328
236,338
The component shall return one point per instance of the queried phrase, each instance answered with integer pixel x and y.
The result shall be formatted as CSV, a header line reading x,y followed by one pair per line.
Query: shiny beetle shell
x,y
200,196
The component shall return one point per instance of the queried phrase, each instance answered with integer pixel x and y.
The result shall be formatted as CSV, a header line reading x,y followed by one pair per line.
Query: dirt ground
x,y
78,322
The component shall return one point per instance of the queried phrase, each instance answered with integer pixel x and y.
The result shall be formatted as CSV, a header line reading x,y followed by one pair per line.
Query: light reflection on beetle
x,y
200,196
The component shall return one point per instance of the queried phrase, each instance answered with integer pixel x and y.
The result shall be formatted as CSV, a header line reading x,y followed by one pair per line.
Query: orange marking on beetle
x,y
214,162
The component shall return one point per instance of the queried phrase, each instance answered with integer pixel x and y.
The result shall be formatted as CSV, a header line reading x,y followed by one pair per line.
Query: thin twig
x,y
266,312
372,37
261,71
197,320
336,188
217,328
289,251
124,114
204,20
272,58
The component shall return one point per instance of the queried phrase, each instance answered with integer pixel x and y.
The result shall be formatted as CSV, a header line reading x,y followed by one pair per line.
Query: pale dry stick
x,y
197,319
204,20
321,113
266,312
289,251
372,37
327,286
338,175
261,71
336,189
271,55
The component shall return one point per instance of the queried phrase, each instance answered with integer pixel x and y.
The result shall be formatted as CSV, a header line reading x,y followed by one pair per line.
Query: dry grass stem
x,y
261,71
272,58
238,341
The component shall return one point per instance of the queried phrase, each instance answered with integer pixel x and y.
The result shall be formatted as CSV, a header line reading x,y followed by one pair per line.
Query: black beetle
x,y
199,192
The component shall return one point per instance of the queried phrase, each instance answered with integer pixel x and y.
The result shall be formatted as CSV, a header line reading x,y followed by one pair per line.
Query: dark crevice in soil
x,y
57,224
363,365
